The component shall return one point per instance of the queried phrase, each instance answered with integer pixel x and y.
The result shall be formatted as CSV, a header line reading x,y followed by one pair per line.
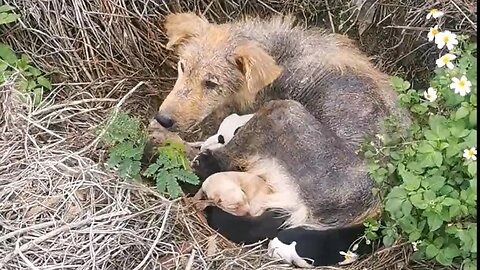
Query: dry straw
x,y
59,208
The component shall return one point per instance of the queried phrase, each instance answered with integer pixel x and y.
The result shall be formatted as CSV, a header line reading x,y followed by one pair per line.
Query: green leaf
x,y
461,113
414,236
44,82
431,251
393,205
438,125
412,182
37,96
442,259
437,158
472,119
425,147
429,195
7,55
185,176
173,188
151,170
434,221
397,192
406,208
388,240
417,201
454,211
5,8
450,201
435,182
113,160
472,168
8,18
471,139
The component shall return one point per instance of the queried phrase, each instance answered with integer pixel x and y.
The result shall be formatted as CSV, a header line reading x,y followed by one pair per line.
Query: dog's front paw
x,y
205,164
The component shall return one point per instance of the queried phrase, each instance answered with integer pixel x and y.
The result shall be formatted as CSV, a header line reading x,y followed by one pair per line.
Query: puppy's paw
x,y
205,164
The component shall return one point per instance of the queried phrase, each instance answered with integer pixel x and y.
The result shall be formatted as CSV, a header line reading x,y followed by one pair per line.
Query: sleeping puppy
x,y
308,248
244,230
238,193
227,129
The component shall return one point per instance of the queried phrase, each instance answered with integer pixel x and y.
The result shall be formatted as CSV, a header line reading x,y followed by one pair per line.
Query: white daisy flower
x,y
435,13
349,257
446,61
461,86
446,38
430,94
470,153
433,33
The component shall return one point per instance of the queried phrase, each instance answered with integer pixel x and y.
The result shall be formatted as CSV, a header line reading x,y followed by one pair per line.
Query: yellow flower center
x,y
445,59
462,84
445,39
470,153
434,31
433,10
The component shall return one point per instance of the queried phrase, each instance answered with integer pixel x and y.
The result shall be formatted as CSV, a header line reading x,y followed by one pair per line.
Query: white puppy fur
x,y
226,131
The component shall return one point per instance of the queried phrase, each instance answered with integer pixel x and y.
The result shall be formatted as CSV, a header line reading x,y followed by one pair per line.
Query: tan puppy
x,y
238,193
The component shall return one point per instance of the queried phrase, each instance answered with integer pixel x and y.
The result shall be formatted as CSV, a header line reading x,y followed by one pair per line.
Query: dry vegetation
x,y
60,209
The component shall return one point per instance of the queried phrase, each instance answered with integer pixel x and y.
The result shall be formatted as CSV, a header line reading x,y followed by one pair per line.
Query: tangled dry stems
x,y
60,209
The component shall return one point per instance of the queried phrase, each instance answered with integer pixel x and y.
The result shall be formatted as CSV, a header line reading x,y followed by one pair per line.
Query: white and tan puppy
x,y
238,193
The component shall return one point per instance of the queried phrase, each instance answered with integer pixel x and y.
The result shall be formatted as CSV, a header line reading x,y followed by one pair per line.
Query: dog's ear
x,y
181,26
258,67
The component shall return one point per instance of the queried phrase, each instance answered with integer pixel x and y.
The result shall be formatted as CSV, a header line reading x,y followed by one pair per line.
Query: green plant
x,y
30,79
170,168
126,141
427,178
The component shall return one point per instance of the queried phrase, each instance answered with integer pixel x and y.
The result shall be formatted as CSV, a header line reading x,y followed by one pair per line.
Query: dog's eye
x,y
210,85
221,139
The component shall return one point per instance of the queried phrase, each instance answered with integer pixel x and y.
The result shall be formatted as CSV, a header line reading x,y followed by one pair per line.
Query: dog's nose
x,y
164,120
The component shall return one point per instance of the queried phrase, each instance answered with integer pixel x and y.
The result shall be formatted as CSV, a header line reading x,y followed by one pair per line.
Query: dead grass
x,y
60,209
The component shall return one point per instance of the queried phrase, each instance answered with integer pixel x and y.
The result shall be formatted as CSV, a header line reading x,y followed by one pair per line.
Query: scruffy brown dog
x,y
315,97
